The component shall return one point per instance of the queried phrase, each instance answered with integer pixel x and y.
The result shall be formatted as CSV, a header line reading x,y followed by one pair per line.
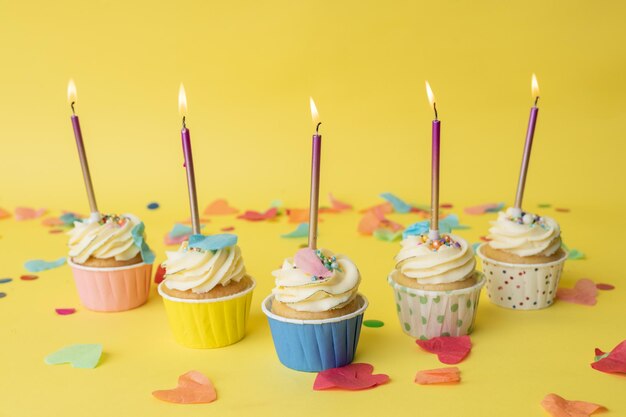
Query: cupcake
x,y
523,260
315,311
111,262
207,292
436,285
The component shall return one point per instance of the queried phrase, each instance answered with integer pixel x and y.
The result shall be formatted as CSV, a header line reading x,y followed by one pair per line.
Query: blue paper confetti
x,y
301,231
68,219
146,253
39,265
495,209
5,280
398,205
212,242
446,225
153,206
180,230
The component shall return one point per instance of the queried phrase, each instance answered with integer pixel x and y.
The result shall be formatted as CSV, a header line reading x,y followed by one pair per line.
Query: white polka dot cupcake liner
x,y
426,314
521,286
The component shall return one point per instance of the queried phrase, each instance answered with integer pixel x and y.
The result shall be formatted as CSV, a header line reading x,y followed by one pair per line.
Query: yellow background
x,y
249,68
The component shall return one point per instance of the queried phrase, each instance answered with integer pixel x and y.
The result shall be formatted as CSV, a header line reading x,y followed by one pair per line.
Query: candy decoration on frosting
x,y
212,242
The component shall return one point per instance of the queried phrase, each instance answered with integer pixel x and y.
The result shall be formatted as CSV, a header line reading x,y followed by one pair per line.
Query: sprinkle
x,y
544,205
373,323
446,206
228,229
562,210
605,287
3,294
65,311
55,231
29,277
5,280
485,239
153,206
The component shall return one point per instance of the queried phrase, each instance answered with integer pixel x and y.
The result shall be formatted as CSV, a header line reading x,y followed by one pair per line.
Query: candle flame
x,y
431,96
182,100
534,87
71,91
314,114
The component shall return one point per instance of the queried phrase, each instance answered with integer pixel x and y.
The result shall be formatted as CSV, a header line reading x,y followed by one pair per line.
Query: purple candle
x,y
82,155
315,177
191,178
530,132
434,190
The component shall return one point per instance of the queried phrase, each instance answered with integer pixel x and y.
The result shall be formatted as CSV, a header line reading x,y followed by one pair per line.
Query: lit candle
x,y
82,155
191,180
434,185
315,177
530,132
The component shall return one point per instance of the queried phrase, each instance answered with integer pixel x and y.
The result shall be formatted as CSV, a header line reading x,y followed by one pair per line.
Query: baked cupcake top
x,y
112,236
525,234
204,262
316,280
439,261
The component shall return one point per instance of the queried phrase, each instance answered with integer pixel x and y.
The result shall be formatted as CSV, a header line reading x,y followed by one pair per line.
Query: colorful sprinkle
x,y
228,229
65,311
3,294
55,231
605,287
5,280
29,277
562,210
373,323
153,206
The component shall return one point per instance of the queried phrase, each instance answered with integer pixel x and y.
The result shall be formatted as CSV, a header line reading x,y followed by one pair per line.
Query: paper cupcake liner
x,y
211,323
426,314
112,289
315,345
521,286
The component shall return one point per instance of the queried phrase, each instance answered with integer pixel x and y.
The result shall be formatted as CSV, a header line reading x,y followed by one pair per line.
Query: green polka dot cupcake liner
x,y
425,314
521,286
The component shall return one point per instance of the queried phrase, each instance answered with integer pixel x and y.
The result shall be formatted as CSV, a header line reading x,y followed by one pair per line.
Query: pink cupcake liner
x,y
112,289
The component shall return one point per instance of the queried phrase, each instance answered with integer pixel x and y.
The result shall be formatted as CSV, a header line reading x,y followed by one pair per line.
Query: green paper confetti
x,y
79,356
301,231
387,235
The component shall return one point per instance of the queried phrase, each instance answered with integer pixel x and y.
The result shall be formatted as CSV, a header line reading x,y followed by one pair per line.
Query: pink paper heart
x,y
614,362
449,350
309,262
355,376
584,292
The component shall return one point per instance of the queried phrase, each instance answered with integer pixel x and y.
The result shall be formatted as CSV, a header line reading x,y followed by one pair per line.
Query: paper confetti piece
x,y
79,356
255,216
170,241
338,205
438,376
446,206
605,287
558,406
544,205
387,235
449,350
399,206
584,292
212,242
180,230
307,260
27,213
227,229
159,275
38,265
3,294
4,214
373,323
484,208
55,231
575,255
562,210
29,277
475,246
298,215
384,208
612,362
219,207
153,206
5,280
65,311
356,376
301,231
368,223
193,388
52,221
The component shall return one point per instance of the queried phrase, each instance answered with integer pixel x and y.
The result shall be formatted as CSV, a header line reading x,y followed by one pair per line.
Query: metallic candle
x,y
82,155
530,133
315,177
434,190
191,178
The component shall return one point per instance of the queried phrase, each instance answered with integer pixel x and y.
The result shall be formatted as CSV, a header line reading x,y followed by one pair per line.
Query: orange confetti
x,y
560,407
193,388
52,221
368,223
298,215
384,208
219,208
338,205
27,213
447,375
4,214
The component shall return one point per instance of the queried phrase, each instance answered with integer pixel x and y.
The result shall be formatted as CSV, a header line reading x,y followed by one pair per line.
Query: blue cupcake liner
x,y
315,345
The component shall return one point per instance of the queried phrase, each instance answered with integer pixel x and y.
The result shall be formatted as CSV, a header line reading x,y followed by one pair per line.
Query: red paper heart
x,y
193,388
255,216
584,292
614,362
449,350
355,376
558,406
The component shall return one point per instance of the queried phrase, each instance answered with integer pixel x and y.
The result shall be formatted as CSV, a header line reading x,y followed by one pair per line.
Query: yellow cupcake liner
x,y
208,324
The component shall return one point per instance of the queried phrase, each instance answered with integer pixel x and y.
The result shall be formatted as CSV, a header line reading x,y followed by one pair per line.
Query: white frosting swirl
x,y
525,234
200,271
448,263
104,239
303,292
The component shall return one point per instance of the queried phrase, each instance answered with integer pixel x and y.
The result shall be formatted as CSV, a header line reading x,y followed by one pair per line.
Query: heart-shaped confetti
x,y
558,406
307,260
255,216
212,242
193,388
38,265
79,356
65,311
219,208
438,376
612,362
584,292
356,376
449,350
